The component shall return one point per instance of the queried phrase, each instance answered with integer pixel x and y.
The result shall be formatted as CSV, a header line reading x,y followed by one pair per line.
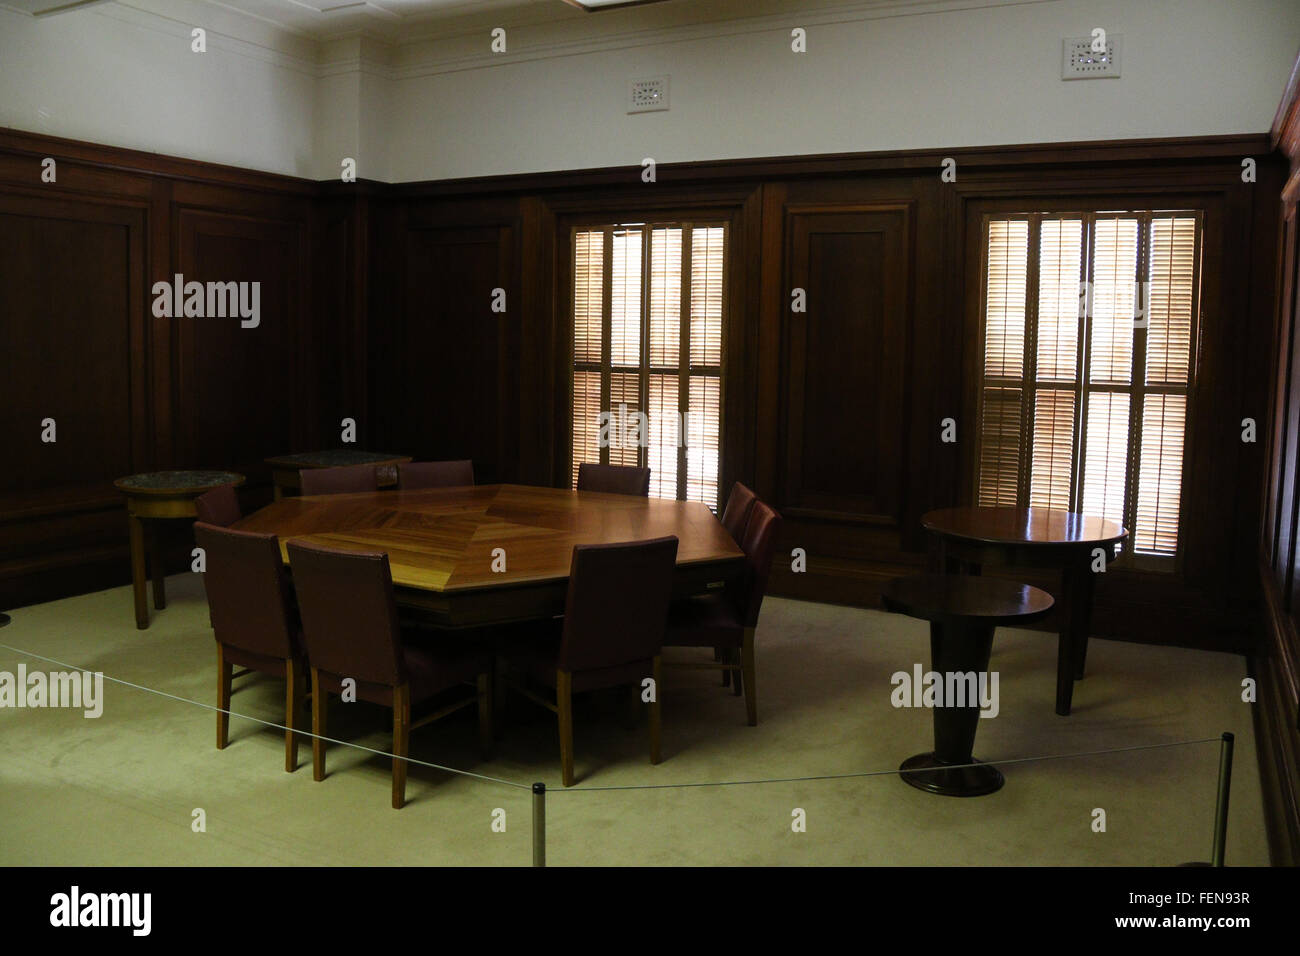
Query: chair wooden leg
x,y
656,726
317,727
485,696
737,681
401,740
751,688
224,669
564,709
726,674
290,716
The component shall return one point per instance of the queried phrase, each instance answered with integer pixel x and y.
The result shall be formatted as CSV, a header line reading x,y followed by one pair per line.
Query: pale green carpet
x,y
121,789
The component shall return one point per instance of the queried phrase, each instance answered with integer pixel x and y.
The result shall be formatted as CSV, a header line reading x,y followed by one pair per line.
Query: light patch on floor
x,y
121,789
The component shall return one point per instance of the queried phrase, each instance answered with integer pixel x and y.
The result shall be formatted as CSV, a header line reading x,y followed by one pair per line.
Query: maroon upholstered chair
x,y
220,506
435,474
614,479
736,515
350,630
254,621
611,633
339,481
727,620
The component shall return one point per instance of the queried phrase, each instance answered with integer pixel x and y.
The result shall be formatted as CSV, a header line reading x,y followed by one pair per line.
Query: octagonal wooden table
x,y
443,543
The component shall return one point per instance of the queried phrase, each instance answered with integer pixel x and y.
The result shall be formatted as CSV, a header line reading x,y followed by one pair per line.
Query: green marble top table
x,y
285,468
176,482
156,496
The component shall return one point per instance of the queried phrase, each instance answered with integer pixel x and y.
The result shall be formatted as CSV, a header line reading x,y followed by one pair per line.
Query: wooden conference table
x,y
970,537
442,543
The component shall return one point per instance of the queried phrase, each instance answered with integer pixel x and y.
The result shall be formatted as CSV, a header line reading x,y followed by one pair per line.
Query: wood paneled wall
x,y
377,307
834,414
1276,663
129,391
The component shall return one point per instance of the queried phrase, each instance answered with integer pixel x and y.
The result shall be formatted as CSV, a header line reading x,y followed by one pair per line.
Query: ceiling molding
x,y
557,39
454,43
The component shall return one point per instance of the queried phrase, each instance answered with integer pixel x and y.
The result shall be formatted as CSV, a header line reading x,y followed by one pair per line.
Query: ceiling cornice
x,y
461,42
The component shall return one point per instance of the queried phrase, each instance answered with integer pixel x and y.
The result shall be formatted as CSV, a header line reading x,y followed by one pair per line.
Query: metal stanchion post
x,y
1221,806
1221,803
539,824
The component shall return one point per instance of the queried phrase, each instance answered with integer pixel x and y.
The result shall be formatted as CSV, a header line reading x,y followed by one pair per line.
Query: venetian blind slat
x,y
665,296
661,455
1000,447
625,300
706,296
588,294
1172,275
1004,304
703,439
625,434
1114,278
1160,474
586,420
1060,258
1052,462
1106,454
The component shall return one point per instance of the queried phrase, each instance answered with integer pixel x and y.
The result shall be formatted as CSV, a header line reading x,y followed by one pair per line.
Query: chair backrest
x,y
337,481
614,479
758,542
617,605
435,474
736,515
220,506
248,591
349,616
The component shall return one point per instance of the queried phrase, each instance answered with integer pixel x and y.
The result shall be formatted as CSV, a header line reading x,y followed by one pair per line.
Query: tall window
x,y
1089,338
648,301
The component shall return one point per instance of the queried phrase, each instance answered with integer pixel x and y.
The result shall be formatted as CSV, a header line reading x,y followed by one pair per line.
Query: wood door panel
x,y
454,346
240,386
70,342
846,356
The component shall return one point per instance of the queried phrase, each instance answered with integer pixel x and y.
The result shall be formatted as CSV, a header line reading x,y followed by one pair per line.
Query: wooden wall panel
x,y
242,399
450,388
846,435
1275,662
131,391
52,318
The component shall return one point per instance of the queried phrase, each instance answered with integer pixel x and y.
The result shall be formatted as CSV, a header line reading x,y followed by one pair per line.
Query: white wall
x,y
877,76
116,76
960,78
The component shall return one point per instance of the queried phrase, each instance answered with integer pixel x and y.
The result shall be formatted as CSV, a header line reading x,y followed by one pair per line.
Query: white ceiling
x,y
324,18
298,22
321,19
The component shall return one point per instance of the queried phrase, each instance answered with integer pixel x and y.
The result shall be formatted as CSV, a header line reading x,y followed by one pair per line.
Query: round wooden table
x,y
963,612
155,496
965,539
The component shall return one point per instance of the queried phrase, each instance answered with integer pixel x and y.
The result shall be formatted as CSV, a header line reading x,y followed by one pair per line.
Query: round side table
x,y
963,611
154,496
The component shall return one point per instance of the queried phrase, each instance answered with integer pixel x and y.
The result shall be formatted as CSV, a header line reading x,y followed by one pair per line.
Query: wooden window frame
x,y
1081,387
684,370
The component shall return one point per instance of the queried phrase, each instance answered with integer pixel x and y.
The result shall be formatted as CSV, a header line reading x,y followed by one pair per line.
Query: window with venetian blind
x,y
1089,338
648,304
